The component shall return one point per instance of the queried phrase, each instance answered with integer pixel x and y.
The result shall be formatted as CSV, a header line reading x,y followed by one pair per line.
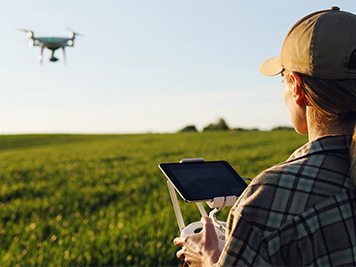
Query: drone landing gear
x,y
40,57
52,58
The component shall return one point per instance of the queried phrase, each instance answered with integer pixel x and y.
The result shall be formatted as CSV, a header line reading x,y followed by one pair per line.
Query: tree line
x,y
221,125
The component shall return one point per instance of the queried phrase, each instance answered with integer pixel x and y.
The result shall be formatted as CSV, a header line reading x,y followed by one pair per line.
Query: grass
x,y
100,200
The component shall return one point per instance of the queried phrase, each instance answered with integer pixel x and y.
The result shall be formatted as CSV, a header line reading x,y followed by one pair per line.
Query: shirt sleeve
x,y
246,225
244,245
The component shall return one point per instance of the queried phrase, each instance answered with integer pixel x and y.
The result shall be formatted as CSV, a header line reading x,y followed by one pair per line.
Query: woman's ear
x,y
298,92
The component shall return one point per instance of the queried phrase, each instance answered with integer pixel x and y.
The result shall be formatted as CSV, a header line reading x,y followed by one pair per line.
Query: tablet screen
x,y
203,181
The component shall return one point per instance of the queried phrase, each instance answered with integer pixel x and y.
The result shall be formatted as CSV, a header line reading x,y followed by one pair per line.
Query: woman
x,y
303,211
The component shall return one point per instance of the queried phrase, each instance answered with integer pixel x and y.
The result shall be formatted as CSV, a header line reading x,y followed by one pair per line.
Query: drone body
x,y
51,43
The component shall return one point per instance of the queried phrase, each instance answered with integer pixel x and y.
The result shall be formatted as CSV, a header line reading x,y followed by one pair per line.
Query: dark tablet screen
x,y
202,181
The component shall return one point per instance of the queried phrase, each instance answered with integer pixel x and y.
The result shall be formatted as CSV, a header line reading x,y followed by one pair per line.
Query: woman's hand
x,y
200,249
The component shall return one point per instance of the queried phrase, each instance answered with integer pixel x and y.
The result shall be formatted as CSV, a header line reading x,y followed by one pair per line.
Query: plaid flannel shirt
x,y
298,213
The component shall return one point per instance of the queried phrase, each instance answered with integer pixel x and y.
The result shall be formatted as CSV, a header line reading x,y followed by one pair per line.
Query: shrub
x,y
220,126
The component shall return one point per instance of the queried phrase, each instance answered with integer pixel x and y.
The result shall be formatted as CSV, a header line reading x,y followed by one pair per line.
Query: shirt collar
x,y
325,143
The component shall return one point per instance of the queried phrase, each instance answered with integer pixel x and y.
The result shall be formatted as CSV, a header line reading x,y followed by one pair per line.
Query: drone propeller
x,y
73,33
29,32
23,30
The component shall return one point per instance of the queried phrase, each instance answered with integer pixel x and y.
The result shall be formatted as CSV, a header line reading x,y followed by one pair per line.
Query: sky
x,y
145,66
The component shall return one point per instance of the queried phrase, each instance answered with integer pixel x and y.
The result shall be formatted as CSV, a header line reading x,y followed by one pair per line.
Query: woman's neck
x,y
323,128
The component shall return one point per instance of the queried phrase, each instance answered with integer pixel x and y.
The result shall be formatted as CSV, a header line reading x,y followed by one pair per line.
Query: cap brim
x,y
272,66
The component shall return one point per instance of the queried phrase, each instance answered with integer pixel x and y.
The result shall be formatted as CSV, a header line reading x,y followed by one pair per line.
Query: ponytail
x,y
353,158
334,100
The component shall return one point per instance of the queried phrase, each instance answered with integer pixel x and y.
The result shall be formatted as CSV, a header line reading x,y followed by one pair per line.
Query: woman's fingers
x,y
191,256
200,247
180,241
180,254
210,236
208,226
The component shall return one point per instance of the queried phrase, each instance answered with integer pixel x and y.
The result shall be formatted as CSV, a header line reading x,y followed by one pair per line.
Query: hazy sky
x,y
145,66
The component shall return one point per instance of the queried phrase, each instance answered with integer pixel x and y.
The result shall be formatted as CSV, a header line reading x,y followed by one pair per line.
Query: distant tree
x,y
245,130
220,126
239,129
283,128
189,128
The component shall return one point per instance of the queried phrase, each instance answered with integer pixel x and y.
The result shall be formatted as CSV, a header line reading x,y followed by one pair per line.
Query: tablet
x,y
203,181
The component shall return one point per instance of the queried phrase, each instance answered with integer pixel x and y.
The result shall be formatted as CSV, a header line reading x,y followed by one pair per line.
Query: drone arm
x,y
34,42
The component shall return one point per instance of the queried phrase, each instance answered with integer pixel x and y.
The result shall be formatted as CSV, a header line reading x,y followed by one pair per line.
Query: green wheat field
x,y
101,200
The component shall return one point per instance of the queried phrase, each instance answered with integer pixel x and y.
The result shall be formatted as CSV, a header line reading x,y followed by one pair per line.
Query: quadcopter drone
x,y
51,43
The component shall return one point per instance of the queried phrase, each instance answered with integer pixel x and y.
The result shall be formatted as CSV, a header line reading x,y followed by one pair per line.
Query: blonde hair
x,y
333,101
353,158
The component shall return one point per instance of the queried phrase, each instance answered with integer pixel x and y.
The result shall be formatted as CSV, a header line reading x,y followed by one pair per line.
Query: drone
x,y
51,43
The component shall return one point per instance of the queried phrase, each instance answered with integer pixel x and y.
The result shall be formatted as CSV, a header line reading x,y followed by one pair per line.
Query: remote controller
x,y
196,227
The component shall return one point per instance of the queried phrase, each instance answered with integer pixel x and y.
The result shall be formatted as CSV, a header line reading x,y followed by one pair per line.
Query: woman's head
x,y
329,101
320,49
318,65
